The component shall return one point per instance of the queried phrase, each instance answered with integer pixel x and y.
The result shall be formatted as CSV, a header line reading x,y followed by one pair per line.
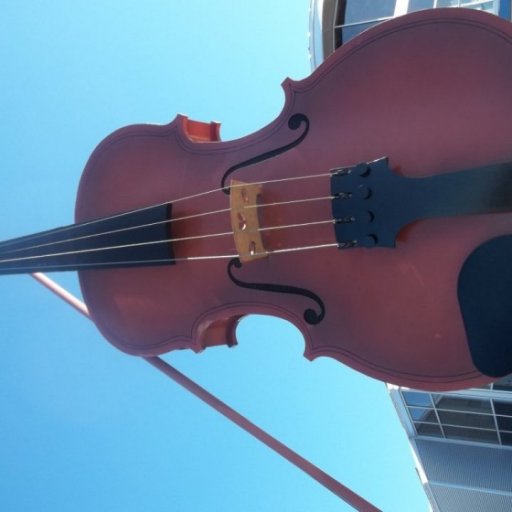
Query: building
x,y
462,445
461,441
334,22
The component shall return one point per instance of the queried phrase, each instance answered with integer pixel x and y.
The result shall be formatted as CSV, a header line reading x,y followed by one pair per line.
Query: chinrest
x,y
485,298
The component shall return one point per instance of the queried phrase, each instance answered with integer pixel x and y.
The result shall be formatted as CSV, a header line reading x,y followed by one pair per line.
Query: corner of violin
x,y
218,332
197,131
290,87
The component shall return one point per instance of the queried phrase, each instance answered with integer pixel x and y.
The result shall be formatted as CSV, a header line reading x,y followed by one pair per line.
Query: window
x,y
422,414
417,398
459,417
417,5
503,408
427,429
357,11
483,5
465,419
466,434
504,423
506,438
462,404
358,15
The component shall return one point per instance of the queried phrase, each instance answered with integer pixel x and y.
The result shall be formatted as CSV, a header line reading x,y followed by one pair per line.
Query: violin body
x,y
432,93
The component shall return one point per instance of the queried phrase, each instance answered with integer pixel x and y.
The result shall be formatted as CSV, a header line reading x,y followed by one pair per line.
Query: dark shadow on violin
x,y
485,298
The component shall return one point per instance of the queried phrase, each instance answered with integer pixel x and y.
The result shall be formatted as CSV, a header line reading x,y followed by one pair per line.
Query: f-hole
x,y
294,123
311,316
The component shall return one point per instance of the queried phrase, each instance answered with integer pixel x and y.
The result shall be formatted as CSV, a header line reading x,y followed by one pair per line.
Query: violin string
x,y
168,221
294,201
6,243
240,185
301,225
169,241
78,266
110,232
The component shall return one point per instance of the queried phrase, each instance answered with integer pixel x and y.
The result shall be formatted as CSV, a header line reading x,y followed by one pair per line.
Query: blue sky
x,y
84,427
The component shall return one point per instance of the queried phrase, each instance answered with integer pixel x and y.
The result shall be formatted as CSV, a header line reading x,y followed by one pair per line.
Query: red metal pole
x,y
313,471
62,293
310,469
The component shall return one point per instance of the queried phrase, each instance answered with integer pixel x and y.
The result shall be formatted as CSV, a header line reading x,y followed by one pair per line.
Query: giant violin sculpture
x,y
374,213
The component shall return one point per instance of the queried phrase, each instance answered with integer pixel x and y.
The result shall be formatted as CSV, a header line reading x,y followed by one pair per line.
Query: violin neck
x,y
136,238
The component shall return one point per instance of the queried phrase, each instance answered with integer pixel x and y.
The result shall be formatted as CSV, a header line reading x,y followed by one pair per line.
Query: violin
x,y
374,213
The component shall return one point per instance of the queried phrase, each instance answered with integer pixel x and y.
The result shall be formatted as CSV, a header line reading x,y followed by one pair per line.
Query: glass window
x,y
465,419
422,414
504,423
417,5
365,10
473,4
416,398
449,3
471,434
359,15
428,429
486,4
503,408
504,384
502,387
348,33
462,404
506,439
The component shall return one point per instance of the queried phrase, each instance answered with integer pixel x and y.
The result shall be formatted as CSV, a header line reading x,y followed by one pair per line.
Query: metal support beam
x,y
343,492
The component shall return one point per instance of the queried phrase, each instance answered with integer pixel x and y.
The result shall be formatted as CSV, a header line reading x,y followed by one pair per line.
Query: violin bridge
x,y
245,221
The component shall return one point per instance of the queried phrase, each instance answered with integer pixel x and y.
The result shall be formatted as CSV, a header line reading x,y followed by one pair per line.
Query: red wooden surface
x,y
432,92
